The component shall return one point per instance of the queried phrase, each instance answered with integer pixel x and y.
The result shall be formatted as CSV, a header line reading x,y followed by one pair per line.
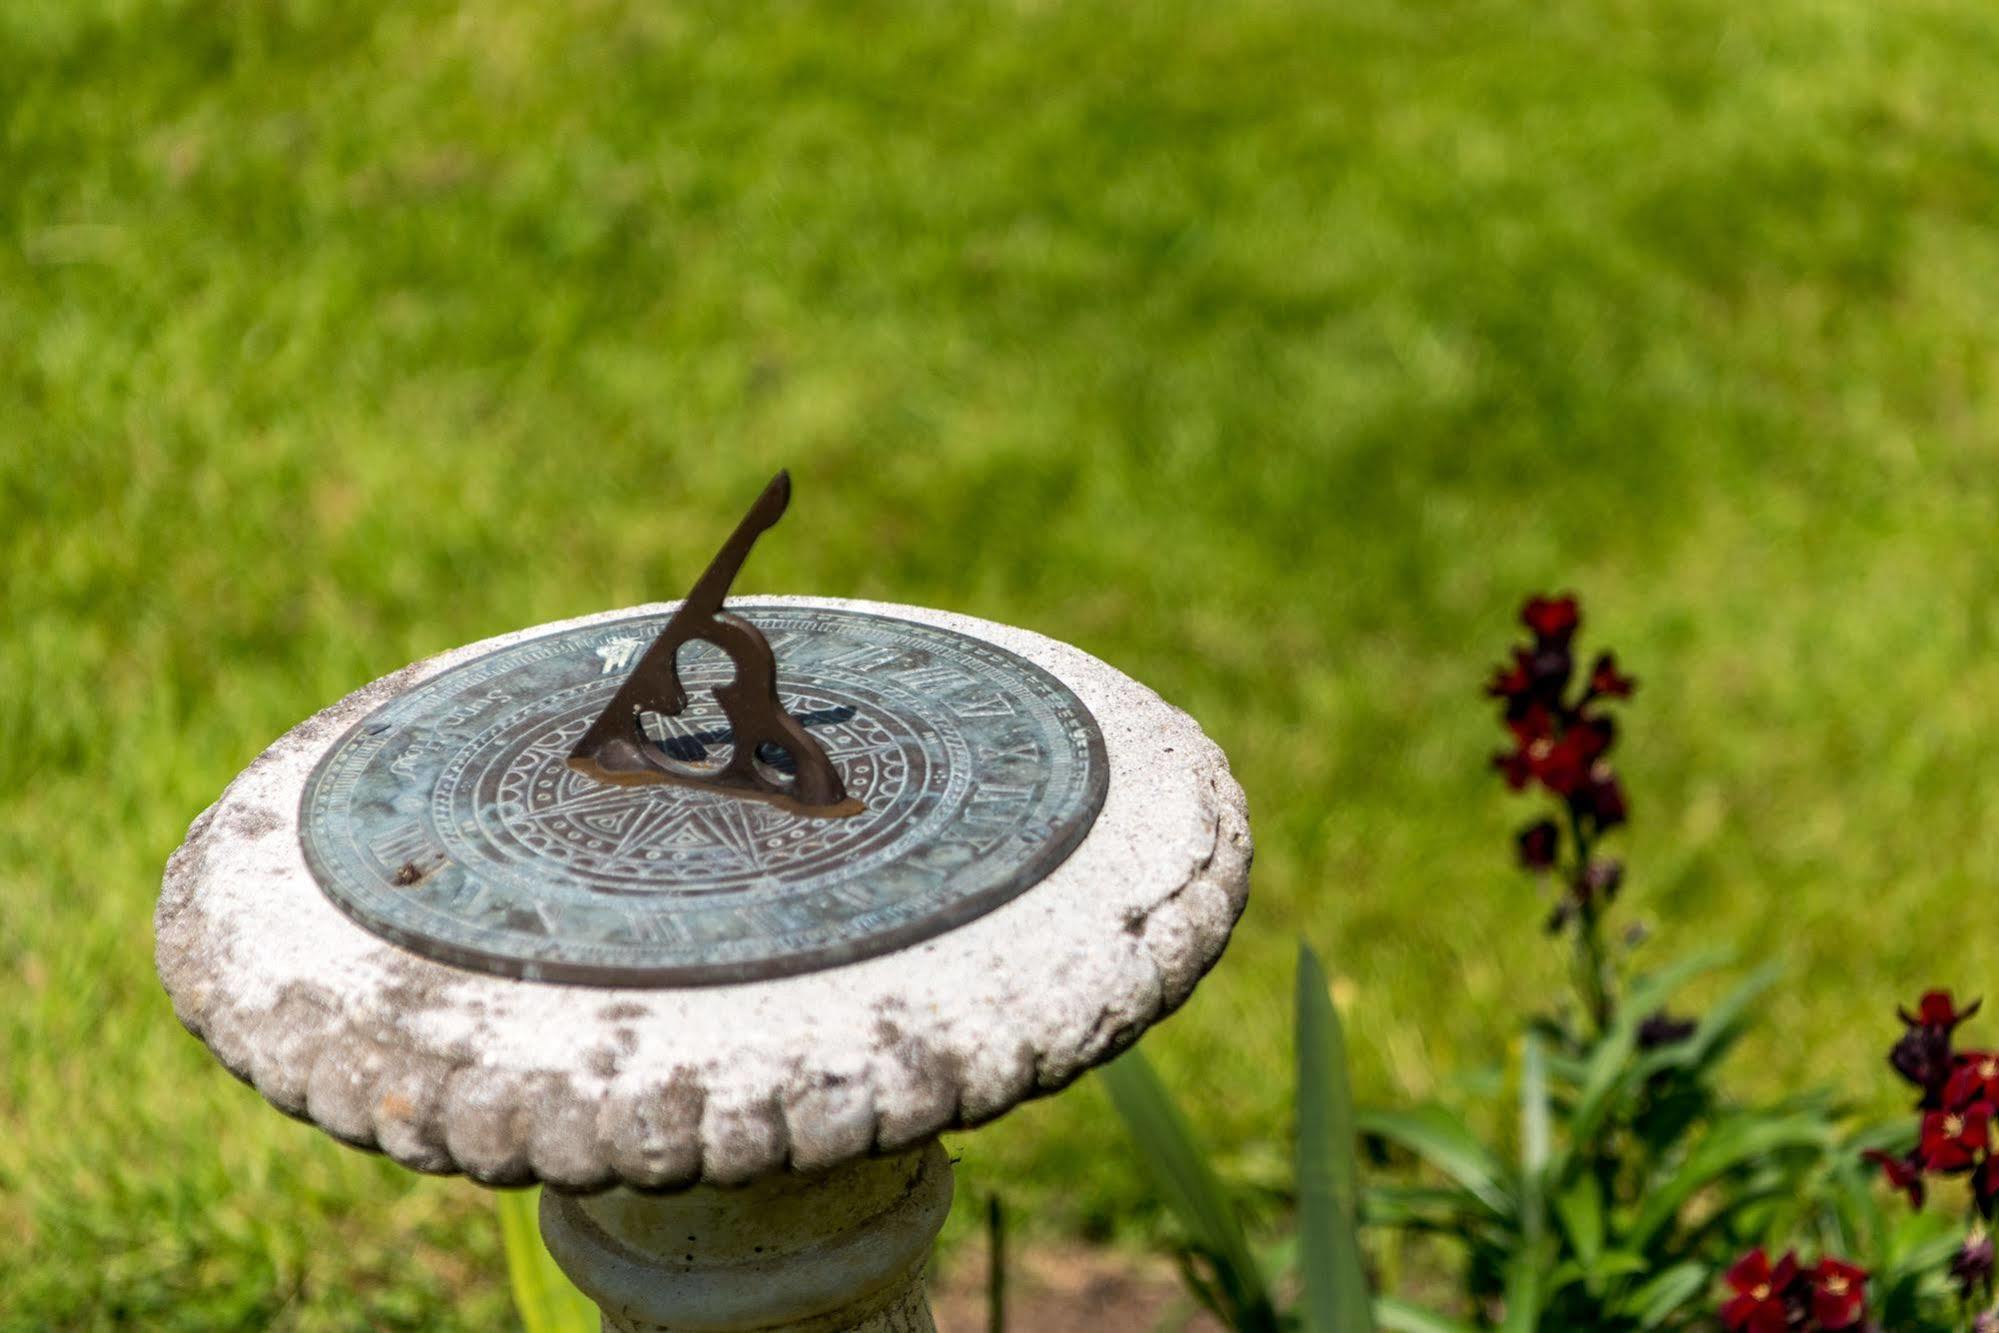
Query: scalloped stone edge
x,y
449,1072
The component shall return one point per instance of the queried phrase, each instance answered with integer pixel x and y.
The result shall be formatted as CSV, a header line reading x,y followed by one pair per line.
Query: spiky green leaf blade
x,y
543,1296
1443,1207
1335,1282
1743,1140
1534,1138
1188,1186
1611,1068
1523,1290
1580,1210
1442,1140
1666,1294
1397,1316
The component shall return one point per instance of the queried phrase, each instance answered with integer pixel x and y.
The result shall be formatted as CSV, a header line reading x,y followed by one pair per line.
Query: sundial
x,y
459,820
711,916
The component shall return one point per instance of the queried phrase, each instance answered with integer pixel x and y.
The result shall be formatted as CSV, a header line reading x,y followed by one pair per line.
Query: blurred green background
x,y
1271,351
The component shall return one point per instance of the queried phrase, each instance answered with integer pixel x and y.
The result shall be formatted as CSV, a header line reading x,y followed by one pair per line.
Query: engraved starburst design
x,y
450,820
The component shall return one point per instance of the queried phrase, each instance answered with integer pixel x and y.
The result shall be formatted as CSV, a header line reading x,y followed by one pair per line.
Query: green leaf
x,y
1335,1283
1278,1257
1889,1136
1611,1068
1580,1209
1844,1202
996,1271
1534,1138
1658,1300
1922,1243
1523,1291
544,1297
1650,992
1189,1188
1618,1263
1441,1139
1729,1144
1444,1206
1725,1022
1401,1317
1720,1027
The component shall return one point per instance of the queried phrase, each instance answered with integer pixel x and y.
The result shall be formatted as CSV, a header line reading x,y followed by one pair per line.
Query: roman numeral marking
x,y
936,679
1022,747
765,919
997,802
992,705
655,927
402,844
864,658
467,898
982,845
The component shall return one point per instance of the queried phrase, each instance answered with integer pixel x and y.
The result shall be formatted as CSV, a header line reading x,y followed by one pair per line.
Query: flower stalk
x,y
1562,739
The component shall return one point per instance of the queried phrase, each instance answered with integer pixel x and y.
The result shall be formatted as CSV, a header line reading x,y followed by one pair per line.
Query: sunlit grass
x,y
1270,352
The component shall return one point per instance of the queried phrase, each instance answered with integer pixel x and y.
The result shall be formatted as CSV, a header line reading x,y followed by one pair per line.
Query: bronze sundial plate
x,y
449,821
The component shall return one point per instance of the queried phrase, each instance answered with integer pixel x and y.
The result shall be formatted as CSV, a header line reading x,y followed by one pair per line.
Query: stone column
x,y
840,1250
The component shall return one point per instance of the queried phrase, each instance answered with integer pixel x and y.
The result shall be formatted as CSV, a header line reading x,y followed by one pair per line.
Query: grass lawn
x,y
1270,351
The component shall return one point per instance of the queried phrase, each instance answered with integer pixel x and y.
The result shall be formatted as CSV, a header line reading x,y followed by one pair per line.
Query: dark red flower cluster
x,y
1558,742
1787,1296
1561,742
1958,1098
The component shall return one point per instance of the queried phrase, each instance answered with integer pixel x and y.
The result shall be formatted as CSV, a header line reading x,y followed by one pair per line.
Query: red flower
x,y
1532,723
1536,674
1937,1010
1512,682
1538,843
1563,765
1839,1293
1953,1141
1974,1077
1553,619
1606,681
1603,799
1596,735
1904,1173
1922,1055
1757,1302
1561,739
1515,766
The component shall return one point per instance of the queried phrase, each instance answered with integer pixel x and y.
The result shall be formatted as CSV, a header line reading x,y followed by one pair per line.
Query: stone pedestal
x,y
788,1125
811,1254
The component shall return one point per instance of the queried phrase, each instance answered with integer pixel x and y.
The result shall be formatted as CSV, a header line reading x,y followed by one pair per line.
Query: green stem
x,y
1595,983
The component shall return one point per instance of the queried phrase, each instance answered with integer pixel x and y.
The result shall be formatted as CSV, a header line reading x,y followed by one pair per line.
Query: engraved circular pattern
x,y
449,821
519,791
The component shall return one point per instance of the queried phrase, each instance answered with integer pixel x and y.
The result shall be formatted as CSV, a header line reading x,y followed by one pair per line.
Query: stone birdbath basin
x,y
757,1153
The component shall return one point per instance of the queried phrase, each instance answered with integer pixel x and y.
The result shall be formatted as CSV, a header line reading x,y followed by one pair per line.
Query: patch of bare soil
x,y
1070,1290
